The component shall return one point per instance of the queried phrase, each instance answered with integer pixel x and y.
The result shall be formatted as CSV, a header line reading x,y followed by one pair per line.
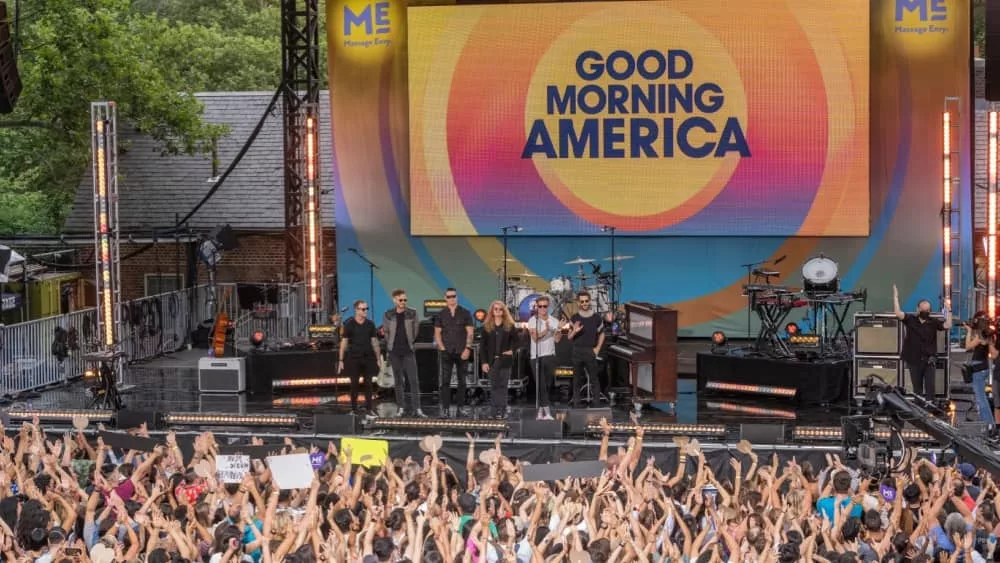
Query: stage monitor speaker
x,y
537,429
876,334
763,433
10,80
886,369
222,375
577,420
942,389
992,51
127,419
228,403
343,424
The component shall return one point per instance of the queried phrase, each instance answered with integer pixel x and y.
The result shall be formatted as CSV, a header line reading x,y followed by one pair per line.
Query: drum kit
x,y
525,288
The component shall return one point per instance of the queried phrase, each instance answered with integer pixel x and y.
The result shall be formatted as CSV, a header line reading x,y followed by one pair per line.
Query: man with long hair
x,y
497,354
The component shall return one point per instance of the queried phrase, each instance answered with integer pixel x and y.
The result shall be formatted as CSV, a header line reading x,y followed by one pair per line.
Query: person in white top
x,y
545,332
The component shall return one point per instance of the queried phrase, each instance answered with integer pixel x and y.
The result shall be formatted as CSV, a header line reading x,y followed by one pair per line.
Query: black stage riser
x,y
820,382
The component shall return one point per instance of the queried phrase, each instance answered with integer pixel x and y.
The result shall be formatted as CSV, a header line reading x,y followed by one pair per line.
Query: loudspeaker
x,y
10,80
334,424
222,375
577,420
941,383
876,334
228,403
127,419
763,433
992,51
886,368
537,429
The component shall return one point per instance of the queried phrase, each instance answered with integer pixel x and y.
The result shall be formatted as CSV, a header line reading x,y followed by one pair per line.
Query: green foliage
x,y
979,27
146,55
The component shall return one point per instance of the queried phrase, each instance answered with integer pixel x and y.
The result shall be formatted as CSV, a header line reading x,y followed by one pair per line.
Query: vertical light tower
x,y
991,217
946,211
104,141
311,220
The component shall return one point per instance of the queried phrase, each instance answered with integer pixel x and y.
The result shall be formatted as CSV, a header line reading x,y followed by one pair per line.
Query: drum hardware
x,y
772,309
617,258
506,258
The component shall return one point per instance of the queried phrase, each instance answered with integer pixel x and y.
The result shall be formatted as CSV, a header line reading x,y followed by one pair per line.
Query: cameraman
x,y
980,339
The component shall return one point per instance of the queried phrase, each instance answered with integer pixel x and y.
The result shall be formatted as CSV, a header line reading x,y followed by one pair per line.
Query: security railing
x,y
31,357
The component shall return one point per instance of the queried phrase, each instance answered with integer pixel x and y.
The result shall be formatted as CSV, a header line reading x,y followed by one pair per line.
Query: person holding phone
x,y
498,354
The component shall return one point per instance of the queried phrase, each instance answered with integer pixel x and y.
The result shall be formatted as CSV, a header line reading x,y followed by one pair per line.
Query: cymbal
x,y
579,260
618,258
505,259
523,275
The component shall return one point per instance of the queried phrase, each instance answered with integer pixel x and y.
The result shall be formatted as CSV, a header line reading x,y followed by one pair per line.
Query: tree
x,y
146,55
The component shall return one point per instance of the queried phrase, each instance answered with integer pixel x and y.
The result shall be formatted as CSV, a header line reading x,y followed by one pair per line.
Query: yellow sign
x,y
369,453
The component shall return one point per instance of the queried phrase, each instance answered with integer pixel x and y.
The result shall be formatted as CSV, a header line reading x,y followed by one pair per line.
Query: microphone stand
x,y
538,360
371,277
503,296
614,274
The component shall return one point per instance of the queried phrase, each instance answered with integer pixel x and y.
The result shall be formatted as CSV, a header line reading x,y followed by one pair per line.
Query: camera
x,y
982,324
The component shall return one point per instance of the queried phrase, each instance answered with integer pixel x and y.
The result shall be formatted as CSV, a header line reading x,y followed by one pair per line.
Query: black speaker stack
x,y
10,81
993,51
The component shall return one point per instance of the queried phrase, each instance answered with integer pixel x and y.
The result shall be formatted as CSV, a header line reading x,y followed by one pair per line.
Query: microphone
x,y
515,228
607,229
344,309
355,250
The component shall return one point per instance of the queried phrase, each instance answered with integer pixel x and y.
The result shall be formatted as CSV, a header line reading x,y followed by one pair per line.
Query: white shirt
x,y
545,346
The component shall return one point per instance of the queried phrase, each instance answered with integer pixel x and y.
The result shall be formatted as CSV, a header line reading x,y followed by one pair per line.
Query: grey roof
x,y
153,188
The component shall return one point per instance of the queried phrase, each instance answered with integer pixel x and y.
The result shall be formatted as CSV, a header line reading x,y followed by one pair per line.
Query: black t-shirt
x,y
359,337
979,354
592,327
920,343
454,334
400,345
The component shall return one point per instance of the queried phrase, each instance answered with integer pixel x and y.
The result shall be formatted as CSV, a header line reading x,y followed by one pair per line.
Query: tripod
x,y
106,395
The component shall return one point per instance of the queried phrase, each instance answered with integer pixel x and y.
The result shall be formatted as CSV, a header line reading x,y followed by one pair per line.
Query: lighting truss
x,y
60,415
751,389
205,419
425,423
312,224
991,218
692,430
104,139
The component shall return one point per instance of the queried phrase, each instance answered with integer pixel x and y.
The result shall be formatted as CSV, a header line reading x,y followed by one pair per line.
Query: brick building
x,y
155,189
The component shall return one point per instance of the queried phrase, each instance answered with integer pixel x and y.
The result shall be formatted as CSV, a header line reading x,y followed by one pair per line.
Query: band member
x,y
400,324
360,354
453,335
980,340
587,333
498,353
545,332
920,343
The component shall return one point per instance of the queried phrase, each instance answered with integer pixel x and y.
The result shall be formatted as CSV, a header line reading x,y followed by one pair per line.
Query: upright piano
x,y
649,347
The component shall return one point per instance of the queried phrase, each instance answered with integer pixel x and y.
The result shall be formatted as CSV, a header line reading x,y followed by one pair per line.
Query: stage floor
x,y
170,385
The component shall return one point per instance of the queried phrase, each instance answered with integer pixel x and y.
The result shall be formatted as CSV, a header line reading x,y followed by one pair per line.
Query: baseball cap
x,y
967,470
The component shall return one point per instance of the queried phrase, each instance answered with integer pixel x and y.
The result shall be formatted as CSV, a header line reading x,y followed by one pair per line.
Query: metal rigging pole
x,y
300,96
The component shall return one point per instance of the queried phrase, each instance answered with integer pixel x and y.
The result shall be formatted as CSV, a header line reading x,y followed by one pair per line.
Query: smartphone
x,y
72,551
710,493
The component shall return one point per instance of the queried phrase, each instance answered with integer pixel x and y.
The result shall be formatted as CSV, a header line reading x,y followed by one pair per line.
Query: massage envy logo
x,y
367,25
919,17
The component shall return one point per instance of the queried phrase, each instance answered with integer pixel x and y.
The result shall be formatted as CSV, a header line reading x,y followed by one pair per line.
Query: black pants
x,y
922,376
499,382
448,361
584,371
545,373
356,368
404,372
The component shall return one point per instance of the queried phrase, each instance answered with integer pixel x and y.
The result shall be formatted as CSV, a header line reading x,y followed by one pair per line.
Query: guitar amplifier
x,y
942,387
876,334
222,375
889,369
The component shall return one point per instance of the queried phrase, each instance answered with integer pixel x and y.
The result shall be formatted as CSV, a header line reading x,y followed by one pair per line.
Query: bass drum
x,y
518,292
819,275
526,307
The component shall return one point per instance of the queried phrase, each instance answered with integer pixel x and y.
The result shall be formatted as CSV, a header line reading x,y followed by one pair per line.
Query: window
x,y
163,283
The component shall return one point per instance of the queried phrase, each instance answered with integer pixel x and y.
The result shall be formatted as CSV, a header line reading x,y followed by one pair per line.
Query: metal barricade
x,y
277,310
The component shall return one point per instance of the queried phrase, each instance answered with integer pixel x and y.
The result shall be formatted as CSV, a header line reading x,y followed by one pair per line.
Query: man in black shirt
x,y
400,325
360,354
920,343
453,336
587,333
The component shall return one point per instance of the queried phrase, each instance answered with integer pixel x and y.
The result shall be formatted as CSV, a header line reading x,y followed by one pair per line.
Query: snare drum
x,y
819,275
560,285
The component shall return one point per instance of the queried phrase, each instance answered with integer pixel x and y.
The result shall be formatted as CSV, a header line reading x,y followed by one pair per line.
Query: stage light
x,y
991,217
423,424
791,329
203,419
480,315
310,382
946,204
810,340
60,415
104,146
257,338
313,254
692,430
311,401
719,338
752,411
835,434
751,389
564,372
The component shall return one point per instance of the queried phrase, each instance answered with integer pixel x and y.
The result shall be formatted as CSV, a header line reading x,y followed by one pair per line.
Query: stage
x,y
169,385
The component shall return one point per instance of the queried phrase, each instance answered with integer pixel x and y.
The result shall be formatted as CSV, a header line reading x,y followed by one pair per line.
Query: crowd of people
x,y
69,500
